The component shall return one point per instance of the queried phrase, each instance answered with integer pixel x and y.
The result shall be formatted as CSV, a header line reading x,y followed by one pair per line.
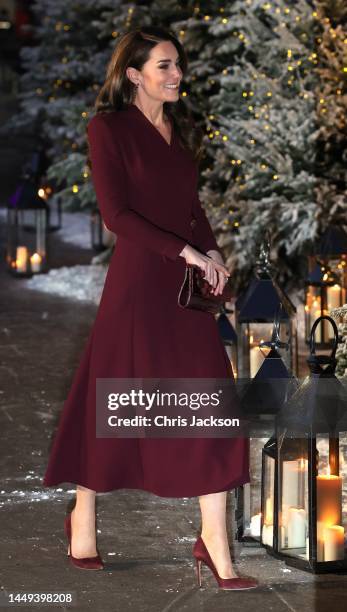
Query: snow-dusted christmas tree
x,y
331,108
261,126
257,74
63,74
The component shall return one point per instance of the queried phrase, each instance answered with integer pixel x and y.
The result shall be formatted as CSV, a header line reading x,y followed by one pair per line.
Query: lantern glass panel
x,y
331,498
320,299
293,498
231,350
268,500
27,250
252,492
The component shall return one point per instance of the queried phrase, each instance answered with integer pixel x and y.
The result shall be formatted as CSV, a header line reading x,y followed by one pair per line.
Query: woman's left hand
x,y
216,279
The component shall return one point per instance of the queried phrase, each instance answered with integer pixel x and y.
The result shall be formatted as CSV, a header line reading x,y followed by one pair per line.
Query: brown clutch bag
x,y
195,292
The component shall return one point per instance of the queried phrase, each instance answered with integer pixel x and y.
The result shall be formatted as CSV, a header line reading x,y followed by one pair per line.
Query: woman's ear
x,y
130,72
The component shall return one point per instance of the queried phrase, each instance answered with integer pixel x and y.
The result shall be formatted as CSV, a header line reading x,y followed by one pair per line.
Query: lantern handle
x,y
312,335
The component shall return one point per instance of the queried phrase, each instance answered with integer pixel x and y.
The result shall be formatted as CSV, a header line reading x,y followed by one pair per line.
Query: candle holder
x,y
256,309
309,494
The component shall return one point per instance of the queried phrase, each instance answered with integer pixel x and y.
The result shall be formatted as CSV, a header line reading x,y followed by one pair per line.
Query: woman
x,y
144,151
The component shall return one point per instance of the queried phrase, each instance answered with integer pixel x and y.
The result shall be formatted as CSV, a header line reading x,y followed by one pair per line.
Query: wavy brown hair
x,y
133,49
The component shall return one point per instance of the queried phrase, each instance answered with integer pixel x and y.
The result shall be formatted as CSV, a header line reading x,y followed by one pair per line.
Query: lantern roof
x,y
318,406
270,388
262,300
321,275
333,242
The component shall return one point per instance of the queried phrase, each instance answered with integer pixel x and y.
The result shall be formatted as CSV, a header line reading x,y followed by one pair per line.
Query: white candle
x,y
329,508
333,296
320,541
329,499
270,535
333,300
267,535
269,511
255,525
334,539
293,472
296,527
315,315
21,258
35,261
256,358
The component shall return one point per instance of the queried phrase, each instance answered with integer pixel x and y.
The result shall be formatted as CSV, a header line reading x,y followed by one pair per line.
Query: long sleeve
x,y
108,176
203,233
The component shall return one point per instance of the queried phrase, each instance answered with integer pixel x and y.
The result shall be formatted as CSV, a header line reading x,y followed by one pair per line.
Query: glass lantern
x,y
255,312
309,496
26,252
261,400
229,337
323,293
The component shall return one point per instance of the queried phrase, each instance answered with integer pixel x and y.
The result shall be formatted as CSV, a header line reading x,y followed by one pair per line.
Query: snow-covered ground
x,y
76,282
75,229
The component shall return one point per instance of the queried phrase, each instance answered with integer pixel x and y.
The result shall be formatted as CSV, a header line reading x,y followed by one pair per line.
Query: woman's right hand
x,y
211,268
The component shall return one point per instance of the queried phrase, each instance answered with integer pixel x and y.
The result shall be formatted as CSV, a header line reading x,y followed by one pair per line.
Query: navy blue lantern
x,y
256,309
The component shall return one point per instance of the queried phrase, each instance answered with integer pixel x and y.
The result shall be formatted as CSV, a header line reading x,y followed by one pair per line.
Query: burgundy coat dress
x,y
147,194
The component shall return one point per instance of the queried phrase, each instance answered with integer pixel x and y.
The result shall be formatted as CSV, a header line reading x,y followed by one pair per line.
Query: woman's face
x,y
161,70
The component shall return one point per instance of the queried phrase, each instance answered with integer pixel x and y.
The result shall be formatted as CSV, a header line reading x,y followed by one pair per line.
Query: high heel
x,y
88,563
201,555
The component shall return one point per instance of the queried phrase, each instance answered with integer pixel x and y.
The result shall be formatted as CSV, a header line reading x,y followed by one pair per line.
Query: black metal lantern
x,y
323,293
255,312
26,252
229,337
261,400
101,237
309,496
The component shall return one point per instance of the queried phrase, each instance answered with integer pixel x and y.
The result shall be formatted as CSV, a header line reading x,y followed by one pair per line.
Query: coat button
x,y
193,223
